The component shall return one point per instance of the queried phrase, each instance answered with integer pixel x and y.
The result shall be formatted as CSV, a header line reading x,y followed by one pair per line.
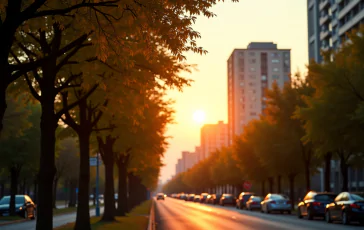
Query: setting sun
x,y
199,116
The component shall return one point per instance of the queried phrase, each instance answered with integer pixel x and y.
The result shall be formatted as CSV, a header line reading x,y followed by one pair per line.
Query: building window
x,y
242,83
252,76
264,78
275,55
241,76
275,77
252,69
286,55
275,60
253,61
252,54
251,84
253,114
276,69
241,54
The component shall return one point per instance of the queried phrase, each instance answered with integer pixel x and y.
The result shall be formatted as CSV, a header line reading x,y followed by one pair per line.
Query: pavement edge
x,y
151,220
12,222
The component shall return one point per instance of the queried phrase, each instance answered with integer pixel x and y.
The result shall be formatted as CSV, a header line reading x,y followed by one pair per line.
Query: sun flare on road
x,y
199,116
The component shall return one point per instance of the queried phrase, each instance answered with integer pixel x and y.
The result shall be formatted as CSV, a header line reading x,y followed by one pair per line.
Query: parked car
x,y
227,199
24,206
346,207
276,202
254,203
203,197
242,199
190,197
196,198
215,199
160,196
314,204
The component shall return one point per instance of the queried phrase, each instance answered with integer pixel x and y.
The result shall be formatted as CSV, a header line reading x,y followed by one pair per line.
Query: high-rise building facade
x,y
328,22
250,72
213,137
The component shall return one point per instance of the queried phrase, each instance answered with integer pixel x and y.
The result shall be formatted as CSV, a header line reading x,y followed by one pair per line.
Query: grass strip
x,y
137,219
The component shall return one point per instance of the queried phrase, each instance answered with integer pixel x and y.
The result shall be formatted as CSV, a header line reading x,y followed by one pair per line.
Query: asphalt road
x,y
58,220
176,214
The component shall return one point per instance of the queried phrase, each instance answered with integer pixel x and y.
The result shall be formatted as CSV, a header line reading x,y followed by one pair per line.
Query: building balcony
x,y
325,34
323,4
334,7
334,21
348,25
347,8
324,19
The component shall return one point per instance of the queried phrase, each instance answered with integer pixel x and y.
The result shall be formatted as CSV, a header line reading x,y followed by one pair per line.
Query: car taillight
x,y
354,206
316,203
272,202
254,202
288,202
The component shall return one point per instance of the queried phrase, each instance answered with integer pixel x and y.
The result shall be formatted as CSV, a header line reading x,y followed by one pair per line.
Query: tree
x,y
66,163
282,105
332,117
26,147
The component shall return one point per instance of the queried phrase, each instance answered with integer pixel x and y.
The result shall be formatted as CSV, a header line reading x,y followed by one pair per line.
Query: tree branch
x,y
68,119
31,88
70,79
99,115
71,106
111,3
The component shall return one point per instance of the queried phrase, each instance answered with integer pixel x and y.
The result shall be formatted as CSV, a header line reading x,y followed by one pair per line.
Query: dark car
x,y
227,199
314,204
203,197
346,207
214,199
242,199
24,206
190,197
254,203
160,196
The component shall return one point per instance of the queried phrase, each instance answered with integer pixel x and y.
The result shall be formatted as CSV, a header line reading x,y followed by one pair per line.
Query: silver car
x,y
276,202
253,203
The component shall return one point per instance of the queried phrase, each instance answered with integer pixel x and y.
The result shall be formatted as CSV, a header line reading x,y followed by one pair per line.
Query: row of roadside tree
x,y
96,72
309,122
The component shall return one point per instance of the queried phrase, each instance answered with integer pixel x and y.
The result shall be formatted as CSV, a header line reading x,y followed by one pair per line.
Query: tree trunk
x,y
14,176
327,178
263,188
291,179
3,104
47,168
55,184
279,189
345,174
122,188
108,158
35,191
133,191
271,184
2,189
72,194
307,176
24,186
83,210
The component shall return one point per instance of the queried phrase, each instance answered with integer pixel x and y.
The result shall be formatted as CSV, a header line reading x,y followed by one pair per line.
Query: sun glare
x,y
199,116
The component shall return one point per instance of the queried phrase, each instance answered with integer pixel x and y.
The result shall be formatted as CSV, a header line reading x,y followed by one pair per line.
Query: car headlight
x,y
20,208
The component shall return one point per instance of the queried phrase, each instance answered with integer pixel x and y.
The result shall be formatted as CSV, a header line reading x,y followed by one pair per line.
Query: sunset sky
x,y
283,22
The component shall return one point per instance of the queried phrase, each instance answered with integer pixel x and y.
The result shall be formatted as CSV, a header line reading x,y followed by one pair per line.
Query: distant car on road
x,y
160,196
276,203
24,206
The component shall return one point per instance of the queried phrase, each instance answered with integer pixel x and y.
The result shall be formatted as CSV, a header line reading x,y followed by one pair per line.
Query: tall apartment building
x,y
328,21
187,161
250,72
213,137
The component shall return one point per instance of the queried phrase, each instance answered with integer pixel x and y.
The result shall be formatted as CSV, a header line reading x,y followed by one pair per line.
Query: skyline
x,y
220,36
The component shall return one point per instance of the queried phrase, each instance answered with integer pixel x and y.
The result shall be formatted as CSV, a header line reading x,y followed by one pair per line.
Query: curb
x,y
151,220
12,222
